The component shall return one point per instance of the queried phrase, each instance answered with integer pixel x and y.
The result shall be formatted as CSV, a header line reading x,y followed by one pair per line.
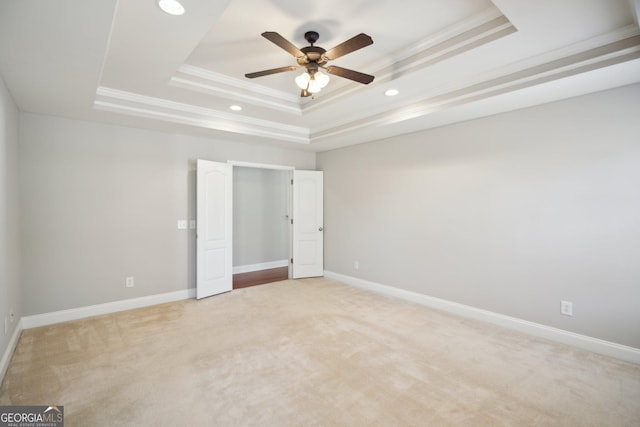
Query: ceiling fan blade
x,y
356,76
271,71
285,44
351,45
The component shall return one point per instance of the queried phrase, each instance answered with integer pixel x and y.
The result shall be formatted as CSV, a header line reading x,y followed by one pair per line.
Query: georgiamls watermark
x,y
32,416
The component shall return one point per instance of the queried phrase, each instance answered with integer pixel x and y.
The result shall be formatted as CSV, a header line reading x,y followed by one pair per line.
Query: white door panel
x,y
307,224
214,228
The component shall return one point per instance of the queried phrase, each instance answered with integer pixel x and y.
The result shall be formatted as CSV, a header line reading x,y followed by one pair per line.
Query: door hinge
x,y
291,260
291,220
291,182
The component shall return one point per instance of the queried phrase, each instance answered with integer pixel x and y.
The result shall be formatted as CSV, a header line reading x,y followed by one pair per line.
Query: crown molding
x,y
466,35
238,83
568,61
599,52
212,83
129,103
208,89
462,29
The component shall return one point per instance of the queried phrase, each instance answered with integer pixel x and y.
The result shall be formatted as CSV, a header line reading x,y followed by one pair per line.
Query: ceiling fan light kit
x,y
312,82
313,58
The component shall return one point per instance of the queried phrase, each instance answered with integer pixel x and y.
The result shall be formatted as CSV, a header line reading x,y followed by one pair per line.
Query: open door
x,y
308,242
214,271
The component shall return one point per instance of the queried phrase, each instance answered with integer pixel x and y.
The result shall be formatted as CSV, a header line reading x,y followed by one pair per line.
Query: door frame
x,y
234,163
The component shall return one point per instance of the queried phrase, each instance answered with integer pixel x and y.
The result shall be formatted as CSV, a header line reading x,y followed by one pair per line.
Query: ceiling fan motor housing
x,y
312,54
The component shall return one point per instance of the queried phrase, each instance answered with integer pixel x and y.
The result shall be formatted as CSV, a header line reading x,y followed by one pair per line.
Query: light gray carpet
x,y
313,353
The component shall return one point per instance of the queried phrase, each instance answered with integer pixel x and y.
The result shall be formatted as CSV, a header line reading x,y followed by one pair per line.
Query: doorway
x,y
214,225
261,225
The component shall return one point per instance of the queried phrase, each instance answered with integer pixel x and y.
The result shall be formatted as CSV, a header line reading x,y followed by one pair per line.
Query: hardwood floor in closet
x,y
253,278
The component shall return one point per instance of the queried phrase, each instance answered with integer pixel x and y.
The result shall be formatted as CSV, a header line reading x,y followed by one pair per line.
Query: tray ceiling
x,y
451,60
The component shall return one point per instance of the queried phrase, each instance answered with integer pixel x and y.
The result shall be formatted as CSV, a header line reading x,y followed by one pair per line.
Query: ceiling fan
x,y
313,58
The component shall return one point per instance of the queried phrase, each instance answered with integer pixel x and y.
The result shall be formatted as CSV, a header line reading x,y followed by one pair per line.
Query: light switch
x,y
182,224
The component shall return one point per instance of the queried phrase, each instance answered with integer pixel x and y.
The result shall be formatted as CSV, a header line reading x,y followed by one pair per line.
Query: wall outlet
x,y
128,282
566,308
356,265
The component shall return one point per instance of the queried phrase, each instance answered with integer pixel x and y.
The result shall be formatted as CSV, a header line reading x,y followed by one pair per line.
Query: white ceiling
x,y
128,62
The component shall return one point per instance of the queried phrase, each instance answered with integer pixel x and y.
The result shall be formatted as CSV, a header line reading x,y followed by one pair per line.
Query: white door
x,y
307,224
214,272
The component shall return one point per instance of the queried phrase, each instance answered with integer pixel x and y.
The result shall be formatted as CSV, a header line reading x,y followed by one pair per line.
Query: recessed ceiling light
x,y
235,108
392,92
172,7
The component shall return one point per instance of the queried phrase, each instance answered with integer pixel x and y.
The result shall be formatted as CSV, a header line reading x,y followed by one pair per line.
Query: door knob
x,y
320,229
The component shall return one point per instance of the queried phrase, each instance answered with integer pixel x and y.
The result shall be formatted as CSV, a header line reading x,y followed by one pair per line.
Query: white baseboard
x,y
6,357
99,309
607,348
262,266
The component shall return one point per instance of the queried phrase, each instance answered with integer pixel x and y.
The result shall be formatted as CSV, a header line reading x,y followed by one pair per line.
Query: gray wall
x,y
509,213
100,202
260,208
10,292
